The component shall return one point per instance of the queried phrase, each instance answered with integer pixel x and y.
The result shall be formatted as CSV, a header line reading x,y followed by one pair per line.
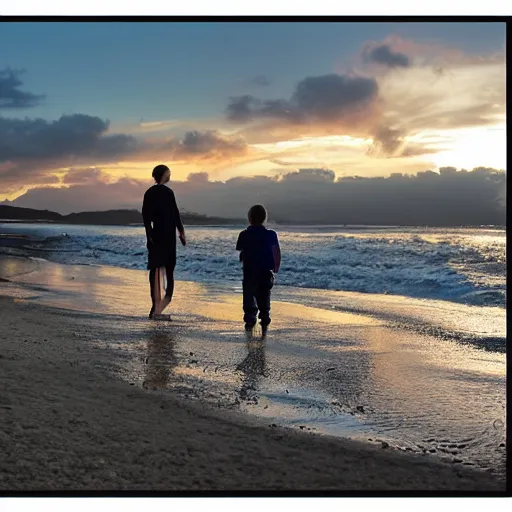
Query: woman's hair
x,y
159,171
257,214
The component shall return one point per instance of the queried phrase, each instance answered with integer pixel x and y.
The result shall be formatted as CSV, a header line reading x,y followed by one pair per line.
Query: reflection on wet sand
x,y
334,371
252,367
160,360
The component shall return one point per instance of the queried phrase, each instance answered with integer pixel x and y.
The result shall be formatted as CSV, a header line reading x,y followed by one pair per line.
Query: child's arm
x,y
240,246
276,252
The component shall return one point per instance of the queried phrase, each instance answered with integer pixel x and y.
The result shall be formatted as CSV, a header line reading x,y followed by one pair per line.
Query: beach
x,y
96,397
354,172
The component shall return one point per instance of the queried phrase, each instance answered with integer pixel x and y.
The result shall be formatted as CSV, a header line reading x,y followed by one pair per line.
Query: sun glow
x,y
474,147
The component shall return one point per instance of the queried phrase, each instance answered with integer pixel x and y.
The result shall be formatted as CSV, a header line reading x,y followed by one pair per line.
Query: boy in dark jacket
x,y
261,257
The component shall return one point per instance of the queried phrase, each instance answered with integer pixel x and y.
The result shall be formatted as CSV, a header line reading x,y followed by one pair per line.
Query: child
x,y
261,257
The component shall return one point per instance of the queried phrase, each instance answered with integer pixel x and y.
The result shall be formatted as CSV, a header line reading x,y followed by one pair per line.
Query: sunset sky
x,y
88,104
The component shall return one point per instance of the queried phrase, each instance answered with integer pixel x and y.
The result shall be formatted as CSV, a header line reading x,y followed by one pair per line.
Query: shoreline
x,y
352,301
67,423
98,333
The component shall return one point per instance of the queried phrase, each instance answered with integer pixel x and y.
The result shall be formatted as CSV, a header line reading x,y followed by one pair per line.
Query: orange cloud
x,y
414,88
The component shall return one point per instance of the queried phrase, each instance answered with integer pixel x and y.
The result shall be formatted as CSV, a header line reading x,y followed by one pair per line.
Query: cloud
x,y
92,195
389,113
31,150
80,138
465,97
436,55
384,55
20,180
198,178
320,105
71,136
286,163
310,176
209,145
11,97
447,197
444,90
84,177
332,96
315,99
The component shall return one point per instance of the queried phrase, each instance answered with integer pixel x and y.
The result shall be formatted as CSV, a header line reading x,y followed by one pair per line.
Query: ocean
x,y
461,265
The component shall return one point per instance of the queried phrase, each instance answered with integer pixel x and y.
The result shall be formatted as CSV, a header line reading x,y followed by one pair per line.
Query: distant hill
x,y
16,213
105,218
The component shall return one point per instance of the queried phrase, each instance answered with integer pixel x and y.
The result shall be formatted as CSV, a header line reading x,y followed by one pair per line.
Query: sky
x,y
86,105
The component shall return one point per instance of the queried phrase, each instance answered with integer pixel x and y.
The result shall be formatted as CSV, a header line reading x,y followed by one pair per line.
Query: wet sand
x,y
67,422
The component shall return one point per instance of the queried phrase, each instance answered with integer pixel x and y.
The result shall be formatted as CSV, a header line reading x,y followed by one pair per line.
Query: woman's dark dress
x,y
161,219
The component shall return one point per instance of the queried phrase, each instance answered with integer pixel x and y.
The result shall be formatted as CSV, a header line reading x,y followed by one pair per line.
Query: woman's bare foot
x,y
161,316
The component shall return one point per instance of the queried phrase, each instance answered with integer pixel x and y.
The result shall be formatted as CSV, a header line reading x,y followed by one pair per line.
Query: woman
x,y
161,219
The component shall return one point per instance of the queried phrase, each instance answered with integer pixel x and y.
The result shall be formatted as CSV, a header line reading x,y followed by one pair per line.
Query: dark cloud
x,y
14,178
391,143
387,142
409,150
240,108
384,55
81,139
198,178
324,98
208,145
96,196
84,176
71,136
310,176
330,96
31,149
10,94
247,108
447,197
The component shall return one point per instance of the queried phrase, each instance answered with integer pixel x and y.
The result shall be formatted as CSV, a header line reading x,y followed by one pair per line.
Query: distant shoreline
x,y
124,217
275,224
131,224
15,214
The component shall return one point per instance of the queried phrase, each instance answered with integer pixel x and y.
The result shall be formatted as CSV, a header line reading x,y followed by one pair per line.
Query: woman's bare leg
x,y
162,304
158,292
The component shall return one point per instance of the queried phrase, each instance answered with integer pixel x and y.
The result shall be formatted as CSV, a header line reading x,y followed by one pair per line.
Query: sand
x,y
66,423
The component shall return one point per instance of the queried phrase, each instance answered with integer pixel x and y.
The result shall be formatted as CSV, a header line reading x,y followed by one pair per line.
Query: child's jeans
x,y
256,289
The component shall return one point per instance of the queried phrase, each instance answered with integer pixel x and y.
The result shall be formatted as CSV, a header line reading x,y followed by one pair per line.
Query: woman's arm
x,y
147,217
179,224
